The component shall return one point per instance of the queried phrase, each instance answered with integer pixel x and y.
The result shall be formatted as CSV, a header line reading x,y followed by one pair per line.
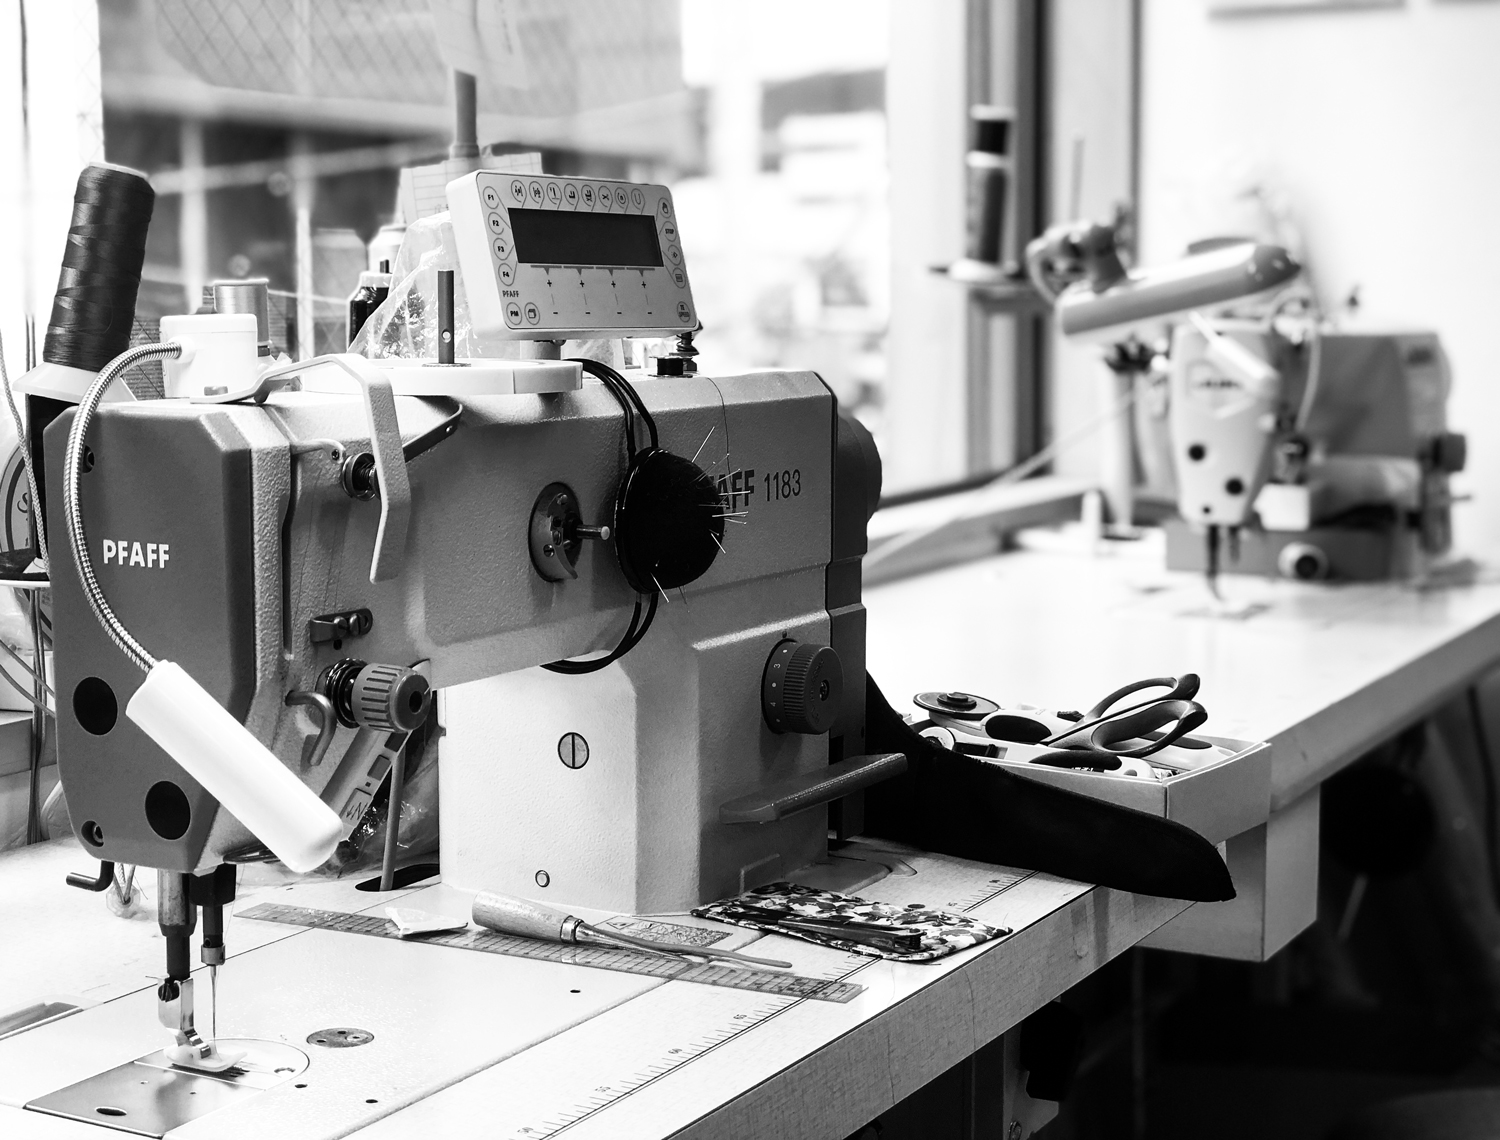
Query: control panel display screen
x,y
549,257
558,237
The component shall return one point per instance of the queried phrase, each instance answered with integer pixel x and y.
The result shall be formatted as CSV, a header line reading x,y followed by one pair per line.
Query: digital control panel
x,y
550,258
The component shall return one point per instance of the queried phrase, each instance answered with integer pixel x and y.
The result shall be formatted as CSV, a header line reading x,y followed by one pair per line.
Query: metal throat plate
x,y
151,1096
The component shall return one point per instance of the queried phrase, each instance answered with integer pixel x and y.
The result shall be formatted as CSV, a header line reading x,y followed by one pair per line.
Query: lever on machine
x,y
97,884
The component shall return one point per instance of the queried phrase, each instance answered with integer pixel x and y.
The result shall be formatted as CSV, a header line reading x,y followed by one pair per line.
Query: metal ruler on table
x,y
557,1086
648,1038
975,895
769,982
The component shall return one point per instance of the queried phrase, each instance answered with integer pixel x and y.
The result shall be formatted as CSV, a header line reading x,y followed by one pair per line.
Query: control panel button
x,y
674,255
496,223
664,208
533,314
518,191
513,314
679,278
622,199
684,312
638,198
669,231
588,195
606,199
570,194
491,197
535,190
506,273
554,193
501,246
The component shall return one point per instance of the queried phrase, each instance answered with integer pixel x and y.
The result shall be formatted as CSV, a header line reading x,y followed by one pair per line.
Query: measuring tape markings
x,y
605,1096
605,958
608,1095
990,891
612,1094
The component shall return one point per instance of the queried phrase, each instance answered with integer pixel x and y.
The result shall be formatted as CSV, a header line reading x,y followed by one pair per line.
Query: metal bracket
x,y
390,467
435,435
336,627
385,443
390,461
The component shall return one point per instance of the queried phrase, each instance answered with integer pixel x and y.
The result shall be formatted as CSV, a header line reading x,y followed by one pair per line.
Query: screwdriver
x,y
507,915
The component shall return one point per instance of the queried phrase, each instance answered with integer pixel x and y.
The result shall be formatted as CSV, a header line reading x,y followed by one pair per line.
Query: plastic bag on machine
x,y
405,324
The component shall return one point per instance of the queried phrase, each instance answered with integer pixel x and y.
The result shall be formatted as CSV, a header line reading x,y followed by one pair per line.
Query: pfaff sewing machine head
x,y
322,560
238,549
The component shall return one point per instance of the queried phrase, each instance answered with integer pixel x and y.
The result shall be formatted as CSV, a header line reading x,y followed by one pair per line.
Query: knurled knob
x,y
802,688
387,698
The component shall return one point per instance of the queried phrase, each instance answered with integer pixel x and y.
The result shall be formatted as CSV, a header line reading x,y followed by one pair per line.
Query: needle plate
x,y
150,1096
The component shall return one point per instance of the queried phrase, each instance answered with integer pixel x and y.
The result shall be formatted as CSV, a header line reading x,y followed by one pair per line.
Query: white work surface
x,y
466,1040
534,1049
1323,672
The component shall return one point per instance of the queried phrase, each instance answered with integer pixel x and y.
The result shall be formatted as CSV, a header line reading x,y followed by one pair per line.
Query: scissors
x,y
1106,728
1132,731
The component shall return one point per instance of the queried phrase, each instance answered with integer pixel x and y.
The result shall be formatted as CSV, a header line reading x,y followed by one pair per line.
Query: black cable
x,y
626,407
1491,807
645,608
617,387
651,602
635,398
618,384
633,634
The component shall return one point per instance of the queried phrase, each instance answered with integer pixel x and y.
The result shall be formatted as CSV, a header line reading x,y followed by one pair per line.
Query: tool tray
x,y
1217,801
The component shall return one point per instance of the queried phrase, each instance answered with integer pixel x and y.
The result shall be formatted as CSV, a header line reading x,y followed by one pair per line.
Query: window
x,y
816,149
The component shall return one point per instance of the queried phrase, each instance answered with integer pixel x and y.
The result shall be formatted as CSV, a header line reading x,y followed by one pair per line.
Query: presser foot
x,y
174,1008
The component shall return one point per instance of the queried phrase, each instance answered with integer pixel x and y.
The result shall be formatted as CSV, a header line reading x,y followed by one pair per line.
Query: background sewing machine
x,y
1309,452
1359,490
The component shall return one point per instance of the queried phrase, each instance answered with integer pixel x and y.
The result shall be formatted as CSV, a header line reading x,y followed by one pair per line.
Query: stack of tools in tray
x,y
958,798
1110,737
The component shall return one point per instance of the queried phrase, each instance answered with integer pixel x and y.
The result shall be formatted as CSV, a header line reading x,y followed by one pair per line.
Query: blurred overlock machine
x,y
1358,465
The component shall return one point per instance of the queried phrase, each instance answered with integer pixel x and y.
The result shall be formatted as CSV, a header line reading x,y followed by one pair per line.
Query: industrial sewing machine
x,y
1359,481
1225,394
1323,454
320,557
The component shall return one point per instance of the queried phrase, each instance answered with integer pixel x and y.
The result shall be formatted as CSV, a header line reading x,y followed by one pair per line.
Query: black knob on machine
x,y
802,687
384,697
669,522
